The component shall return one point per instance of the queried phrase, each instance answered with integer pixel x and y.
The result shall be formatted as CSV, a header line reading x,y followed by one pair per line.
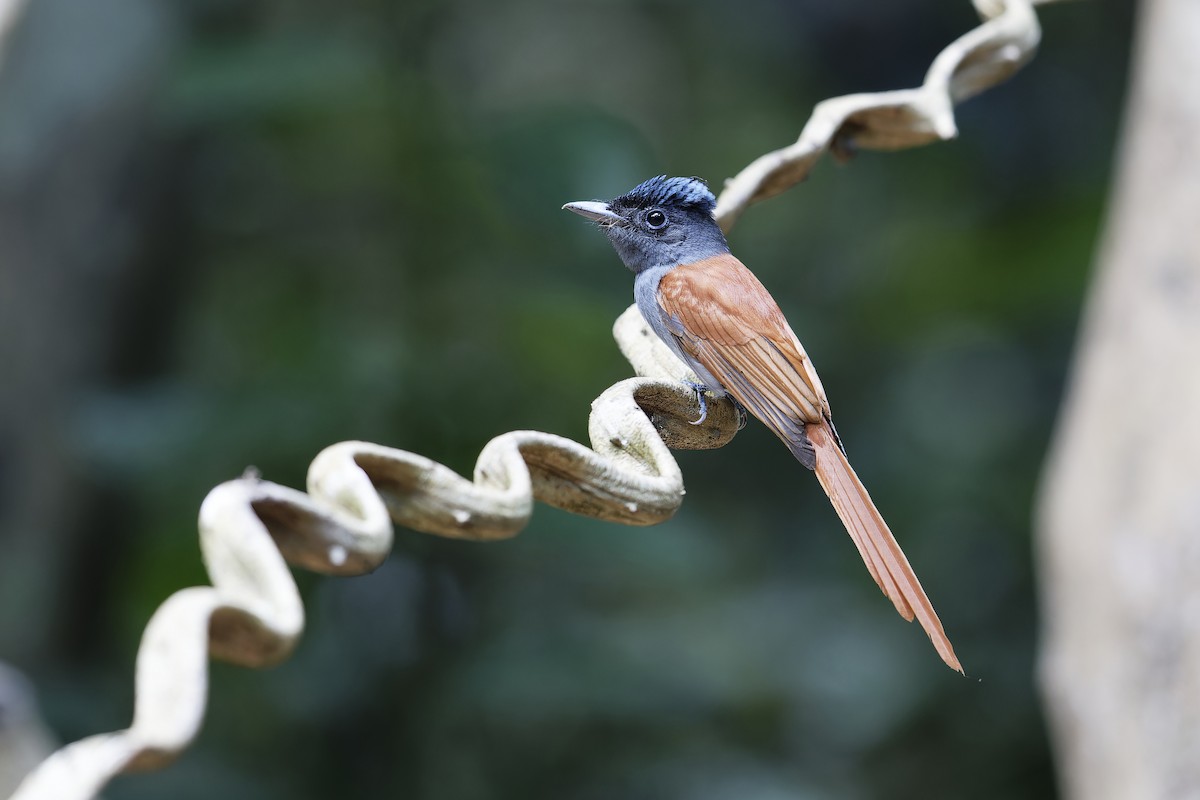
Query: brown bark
x,y
1119,520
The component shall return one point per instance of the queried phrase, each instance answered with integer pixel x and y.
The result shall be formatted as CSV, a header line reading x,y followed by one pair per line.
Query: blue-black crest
x,y
664,191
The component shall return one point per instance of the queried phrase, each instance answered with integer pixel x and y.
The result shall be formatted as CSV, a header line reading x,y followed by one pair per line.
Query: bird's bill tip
x,y
595,211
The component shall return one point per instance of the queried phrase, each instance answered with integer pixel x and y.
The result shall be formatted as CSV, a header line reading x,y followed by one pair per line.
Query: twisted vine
x,y
896,120
251,529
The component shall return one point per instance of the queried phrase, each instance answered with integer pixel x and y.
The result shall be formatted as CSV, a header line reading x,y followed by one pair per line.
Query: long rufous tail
x,y
878,548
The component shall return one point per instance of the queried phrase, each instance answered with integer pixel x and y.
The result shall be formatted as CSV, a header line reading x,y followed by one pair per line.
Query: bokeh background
x,y
236,231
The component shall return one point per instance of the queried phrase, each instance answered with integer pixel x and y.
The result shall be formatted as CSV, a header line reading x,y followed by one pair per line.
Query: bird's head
x,y
660,222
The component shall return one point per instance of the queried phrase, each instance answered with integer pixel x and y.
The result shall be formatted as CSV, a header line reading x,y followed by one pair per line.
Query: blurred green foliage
x,y
360,237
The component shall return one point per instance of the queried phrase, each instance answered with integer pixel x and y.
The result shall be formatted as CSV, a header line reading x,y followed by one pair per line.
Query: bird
x,y
720,320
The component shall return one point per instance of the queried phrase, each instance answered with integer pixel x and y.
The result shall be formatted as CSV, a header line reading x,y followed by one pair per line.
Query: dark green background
x,y
351,230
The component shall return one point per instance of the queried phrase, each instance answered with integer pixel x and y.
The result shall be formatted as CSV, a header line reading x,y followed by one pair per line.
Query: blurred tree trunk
x,y
76,90
1119,518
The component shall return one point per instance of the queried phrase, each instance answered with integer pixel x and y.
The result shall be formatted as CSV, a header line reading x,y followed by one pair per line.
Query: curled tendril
x,y
896,120
252,529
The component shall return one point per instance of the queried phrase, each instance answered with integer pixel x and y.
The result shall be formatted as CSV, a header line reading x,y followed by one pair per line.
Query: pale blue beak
x,y
596,211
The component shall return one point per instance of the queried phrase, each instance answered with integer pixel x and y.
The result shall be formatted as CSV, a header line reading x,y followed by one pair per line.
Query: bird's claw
x,y
742,416
699,389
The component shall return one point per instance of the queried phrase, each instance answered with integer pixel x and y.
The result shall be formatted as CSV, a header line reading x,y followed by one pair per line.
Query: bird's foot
x,y
700,389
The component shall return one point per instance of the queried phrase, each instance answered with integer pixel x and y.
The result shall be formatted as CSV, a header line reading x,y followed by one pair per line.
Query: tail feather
x,y
879,549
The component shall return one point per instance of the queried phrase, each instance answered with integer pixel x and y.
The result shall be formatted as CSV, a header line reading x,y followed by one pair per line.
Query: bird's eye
x,y
656,220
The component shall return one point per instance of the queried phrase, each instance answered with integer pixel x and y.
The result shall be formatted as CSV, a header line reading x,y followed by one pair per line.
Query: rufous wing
x,y
723,317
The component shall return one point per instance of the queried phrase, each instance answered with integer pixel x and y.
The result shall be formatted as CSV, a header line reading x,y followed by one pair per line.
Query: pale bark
x,y
1119,519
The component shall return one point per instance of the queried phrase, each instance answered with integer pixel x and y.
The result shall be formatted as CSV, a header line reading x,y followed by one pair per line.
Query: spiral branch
x,y
895,120
251,529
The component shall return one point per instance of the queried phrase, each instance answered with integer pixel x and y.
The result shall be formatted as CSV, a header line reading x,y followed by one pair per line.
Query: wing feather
x,y
723,318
